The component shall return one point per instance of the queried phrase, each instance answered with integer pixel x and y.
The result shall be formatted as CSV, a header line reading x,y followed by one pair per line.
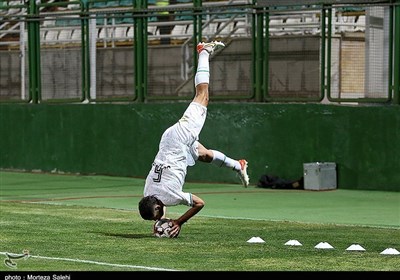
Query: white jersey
x,y
177,151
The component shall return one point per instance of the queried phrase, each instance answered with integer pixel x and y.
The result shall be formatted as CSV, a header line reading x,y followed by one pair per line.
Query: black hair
x,y
146,207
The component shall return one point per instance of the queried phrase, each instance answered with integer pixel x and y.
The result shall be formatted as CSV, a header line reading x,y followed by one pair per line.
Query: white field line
x,y
94,262
298,222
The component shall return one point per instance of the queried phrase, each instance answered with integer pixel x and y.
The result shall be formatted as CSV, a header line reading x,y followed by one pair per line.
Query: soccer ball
x,y
162,227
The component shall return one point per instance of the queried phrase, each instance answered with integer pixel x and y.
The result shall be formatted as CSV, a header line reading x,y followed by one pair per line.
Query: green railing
x,y
307,67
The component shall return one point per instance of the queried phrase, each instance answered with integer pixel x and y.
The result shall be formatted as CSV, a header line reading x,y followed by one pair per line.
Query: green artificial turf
x,y
91,223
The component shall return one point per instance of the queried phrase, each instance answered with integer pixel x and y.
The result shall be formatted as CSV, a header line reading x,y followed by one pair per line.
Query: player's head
x,y
151,208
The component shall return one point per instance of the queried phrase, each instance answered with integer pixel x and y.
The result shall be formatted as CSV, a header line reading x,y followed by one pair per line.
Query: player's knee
x,y
205,155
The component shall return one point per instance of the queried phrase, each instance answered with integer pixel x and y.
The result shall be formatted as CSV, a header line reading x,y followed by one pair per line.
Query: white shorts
x,y
193,120
191,123
178,149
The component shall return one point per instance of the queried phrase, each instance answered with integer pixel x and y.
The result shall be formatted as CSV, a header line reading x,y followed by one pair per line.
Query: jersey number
x,y
158,170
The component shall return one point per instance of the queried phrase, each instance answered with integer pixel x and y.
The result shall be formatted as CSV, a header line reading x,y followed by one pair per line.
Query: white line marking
x,y
99,263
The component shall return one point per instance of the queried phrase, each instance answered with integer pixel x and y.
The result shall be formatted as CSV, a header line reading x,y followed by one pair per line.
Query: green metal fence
x,y
277,51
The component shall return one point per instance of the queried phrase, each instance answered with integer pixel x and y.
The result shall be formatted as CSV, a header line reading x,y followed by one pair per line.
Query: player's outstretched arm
x,y
198,204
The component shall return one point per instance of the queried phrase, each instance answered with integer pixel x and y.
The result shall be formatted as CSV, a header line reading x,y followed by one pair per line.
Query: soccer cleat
x,y
209,47
243,172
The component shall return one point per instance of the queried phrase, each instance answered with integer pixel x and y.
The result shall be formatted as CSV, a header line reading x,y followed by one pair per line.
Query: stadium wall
x,y
122,139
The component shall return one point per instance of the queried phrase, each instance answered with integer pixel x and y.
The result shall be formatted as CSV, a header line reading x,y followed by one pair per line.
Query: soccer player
x,y
179,148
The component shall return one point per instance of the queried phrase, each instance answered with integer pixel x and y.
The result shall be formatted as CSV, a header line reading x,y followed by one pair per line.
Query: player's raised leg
x,y
210,47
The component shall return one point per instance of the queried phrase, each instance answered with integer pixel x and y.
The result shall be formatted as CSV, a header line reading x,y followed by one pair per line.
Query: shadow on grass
x,y
125,235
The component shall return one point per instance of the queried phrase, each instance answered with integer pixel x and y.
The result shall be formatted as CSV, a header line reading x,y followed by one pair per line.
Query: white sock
x,y
203,69
220,160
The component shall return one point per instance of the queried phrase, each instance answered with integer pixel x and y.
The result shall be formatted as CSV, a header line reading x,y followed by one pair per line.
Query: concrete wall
x,y
294,71
122,139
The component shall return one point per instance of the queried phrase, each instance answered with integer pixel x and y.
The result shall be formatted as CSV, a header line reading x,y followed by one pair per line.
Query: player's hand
x,y
175,230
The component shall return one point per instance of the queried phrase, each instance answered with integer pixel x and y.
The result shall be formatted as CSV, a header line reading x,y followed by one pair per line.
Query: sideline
x,y
95,262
